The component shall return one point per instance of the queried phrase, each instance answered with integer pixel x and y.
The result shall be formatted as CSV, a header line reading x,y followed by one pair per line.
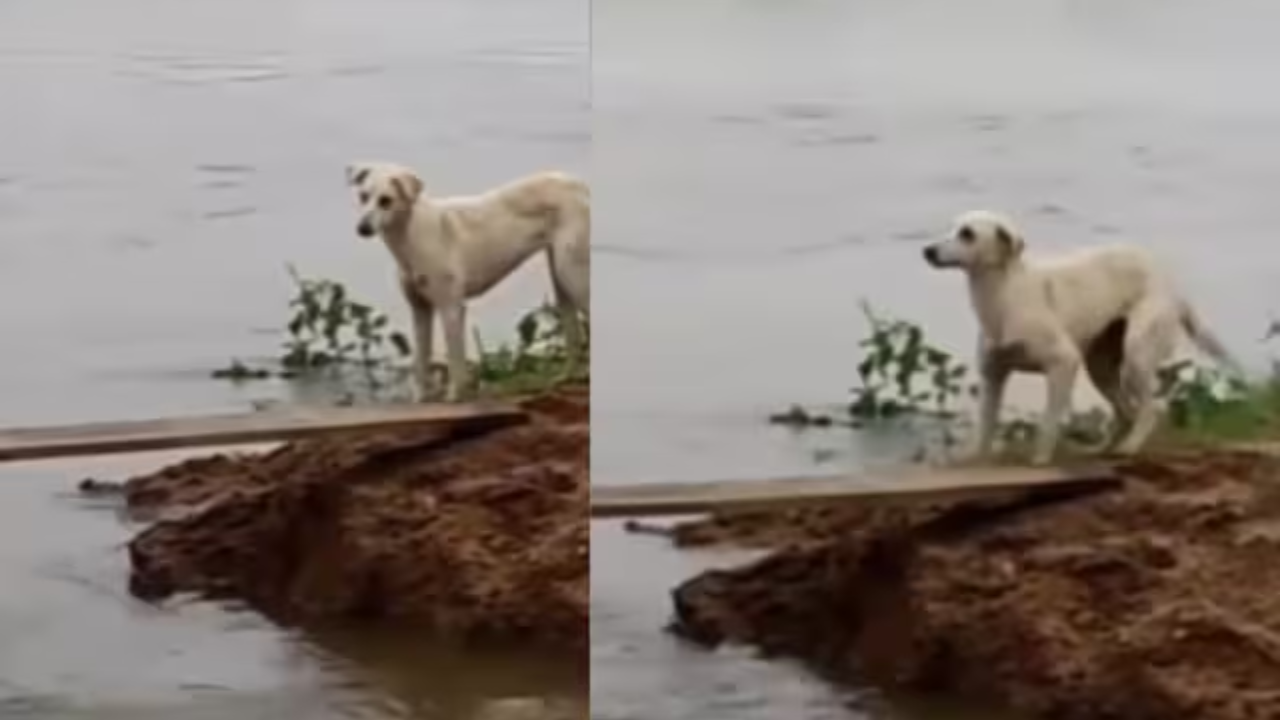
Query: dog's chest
x,y
431,287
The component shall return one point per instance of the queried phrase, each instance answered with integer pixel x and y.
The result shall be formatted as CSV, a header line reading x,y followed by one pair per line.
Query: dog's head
x,y
978,240
386,193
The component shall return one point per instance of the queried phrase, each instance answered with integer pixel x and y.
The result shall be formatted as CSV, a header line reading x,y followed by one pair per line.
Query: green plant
x,y
329,327
329,334
902,373
1205,401
539,357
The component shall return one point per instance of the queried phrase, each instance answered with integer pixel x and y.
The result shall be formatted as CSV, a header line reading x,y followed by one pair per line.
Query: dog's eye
x,y
965,235
364,198
384,202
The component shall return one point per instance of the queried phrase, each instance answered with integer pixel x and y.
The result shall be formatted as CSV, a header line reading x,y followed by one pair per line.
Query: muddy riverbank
x,y
476,538
1154,600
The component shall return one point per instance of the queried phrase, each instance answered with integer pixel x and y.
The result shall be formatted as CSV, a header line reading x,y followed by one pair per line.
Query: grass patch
x,y
1205,405
537,360
908,383
333,339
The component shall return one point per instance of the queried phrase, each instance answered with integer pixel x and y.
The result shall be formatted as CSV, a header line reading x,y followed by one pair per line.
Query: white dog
x,y
1108,309
451,250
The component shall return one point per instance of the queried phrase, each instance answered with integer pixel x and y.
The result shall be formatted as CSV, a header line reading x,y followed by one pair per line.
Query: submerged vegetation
x,y
905,380
333,339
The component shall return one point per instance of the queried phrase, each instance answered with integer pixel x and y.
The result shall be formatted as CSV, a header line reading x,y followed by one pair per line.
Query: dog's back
x,y
499,230
541,194
1123,270
1092,287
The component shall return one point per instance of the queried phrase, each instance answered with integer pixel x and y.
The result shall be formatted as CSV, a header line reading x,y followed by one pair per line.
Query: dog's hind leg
x,y
1150,341
1103,360
570,255
569,260
454,319
571,320
1060,378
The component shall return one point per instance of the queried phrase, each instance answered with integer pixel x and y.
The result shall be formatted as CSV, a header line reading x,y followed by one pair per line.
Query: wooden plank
x,y
289,423
915,485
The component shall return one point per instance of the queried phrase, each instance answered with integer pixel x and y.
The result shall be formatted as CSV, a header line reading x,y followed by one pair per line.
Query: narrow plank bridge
x,y
291,423
607,501
914,485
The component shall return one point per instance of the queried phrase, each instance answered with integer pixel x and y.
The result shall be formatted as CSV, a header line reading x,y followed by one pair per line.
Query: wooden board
x,y
290,423
916,485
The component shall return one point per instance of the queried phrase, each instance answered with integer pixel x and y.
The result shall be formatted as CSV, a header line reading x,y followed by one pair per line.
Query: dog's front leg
x,y
994,376
1060,377
423,315
454,319
423,351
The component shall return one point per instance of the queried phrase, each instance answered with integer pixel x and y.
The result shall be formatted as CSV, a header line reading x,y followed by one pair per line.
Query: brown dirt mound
x,y
1154,601
480,536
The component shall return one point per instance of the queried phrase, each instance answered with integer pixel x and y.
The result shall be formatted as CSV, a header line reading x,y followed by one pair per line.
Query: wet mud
x,y
1158,599
470,536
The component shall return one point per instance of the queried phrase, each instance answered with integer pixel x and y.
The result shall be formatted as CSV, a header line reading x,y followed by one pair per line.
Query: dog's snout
x,y
364,229
930,254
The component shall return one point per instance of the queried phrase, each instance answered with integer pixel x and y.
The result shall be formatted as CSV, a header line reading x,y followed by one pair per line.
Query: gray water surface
x,y
760,167
160,163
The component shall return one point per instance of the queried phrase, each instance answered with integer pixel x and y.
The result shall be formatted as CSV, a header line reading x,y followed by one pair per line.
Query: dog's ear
x,y
357,173
408,186
1010,242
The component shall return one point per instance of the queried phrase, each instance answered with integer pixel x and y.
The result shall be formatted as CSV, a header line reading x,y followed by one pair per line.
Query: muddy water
x,y
160,164
761,167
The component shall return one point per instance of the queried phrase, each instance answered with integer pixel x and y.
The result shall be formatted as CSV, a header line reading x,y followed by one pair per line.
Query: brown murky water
x,y
160,164
760,167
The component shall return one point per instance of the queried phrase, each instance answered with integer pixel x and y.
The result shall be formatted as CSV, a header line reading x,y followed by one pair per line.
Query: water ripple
x,y
226,168
355,70
232,212
223,176
178,69
827,139
549,54
806,110
737,256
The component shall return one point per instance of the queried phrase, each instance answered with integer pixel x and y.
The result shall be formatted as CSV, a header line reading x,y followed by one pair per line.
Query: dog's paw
x,y
1124,452
1042,460
427,395
977,455
456,394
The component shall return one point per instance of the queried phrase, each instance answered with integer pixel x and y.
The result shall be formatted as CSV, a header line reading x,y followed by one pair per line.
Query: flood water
x,y
760,167
160,163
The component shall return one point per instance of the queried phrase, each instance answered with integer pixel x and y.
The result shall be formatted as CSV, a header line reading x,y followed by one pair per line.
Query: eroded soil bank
x,y
478,537
1157,600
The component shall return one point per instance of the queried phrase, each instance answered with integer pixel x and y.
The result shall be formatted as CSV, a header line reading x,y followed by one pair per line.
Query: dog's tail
x,y
1206,340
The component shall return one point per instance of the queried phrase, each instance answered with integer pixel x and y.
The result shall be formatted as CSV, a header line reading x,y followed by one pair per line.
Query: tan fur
x,y
453,249
407,187
1108,309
